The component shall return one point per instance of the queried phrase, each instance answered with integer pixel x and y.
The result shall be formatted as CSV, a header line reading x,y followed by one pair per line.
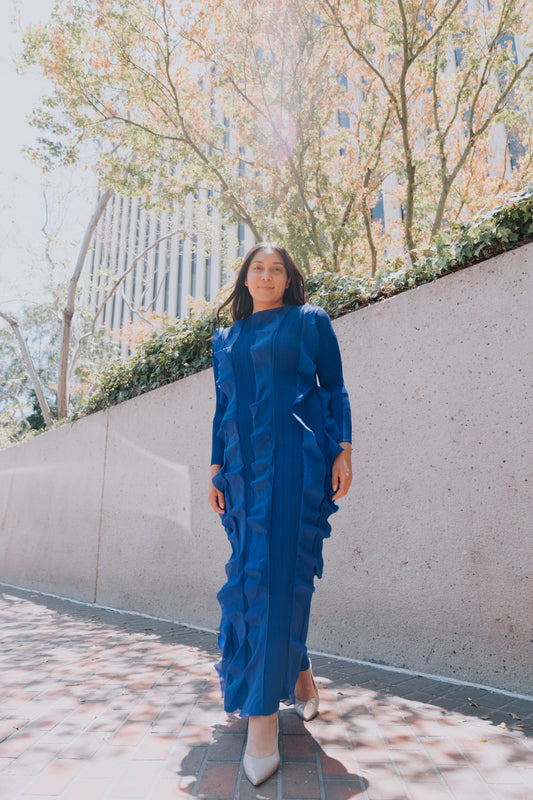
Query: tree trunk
x,y
369,235
68,311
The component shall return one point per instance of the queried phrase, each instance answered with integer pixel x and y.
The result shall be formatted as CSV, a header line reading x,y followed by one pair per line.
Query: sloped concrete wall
x,y
429,562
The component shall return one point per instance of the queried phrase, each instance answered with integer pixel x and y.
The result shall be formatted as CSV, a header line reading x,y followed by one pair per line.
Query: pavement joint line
x,y
240,773
417,674
201,770
320,776
372,664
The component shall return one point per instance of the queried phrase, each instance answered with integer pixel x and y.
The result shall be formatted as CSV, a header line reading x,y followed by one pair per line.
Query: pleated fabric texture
x,y
244,598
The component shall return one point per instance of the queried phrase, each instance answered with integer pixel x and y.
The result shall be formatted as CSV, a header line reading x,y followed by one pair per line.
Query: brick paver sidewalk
x,y
97,704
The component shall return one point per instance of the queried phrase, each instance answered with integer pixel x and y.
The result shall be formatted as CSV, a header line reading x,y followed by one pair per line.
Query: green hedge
x,y
183,348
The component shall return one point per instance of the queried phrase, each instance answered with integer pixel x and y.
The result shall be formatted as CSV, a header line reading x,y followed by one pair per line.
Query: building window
x,y
226,133
242,232
378,211
343,117
180,275
155,276
167,278
146,260
135,254
194,258
208,277
516,148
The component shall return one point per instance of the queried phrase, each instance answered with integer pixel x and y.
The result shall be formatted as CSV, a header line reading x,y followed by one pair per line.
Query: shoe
x,y
259,769
307,709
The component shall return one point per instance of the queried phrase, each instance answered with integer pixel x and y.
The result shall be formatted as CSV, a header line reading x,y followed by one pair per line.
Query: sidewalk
x,y
97,704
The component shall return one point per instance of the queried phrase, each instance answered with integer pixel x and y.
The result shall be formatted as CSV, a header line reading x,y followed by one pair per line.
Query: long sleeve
x,y
329,371
217,445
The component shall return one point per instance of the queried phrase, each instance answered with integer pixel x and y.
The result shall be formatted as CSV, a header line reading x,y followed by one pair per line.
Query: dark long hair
x,y
241,300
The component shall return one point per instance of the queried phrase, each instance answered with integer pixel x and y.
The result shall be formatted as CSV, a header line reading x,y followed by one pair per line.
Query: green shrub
x,y
184,348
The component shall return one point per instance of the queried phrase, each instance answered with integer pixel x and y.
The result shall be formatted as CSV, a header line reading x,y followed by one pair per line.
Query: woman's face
x,y
266,279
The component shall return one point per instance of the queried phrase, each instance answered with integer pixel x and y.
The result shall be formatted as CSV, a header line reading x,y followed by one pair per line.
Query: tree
x,y
53,323
28,361
295,114
23,385
15,389
448,71
216,95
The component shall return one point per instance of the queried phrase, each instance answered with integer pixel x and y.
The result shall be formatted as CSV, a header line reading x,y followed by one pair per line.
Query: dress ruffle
x,y
316,505
244,597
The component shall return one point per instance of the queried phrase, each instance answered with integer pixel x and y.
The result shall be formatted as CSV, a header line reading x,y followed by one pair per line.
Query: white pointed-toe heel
x,y
259,769
308,709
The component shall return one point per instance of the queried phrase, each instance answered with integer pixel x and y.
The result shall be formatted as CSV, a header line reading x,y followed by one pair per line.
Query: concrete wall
x,y
428,563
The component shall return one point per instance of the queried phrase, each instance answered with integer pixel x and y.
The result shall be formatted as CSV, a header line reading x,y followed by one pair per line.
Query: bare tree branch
x,y
120,282
26,355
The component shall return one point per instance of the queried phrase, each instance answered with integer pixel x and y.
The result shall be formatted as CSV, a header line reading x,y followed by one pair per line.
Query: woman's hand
x,y
215,496
341,473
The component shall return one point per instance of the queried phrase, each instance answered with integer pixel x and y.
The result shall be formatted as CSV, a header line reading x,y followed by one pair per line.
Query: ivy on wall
x,y
183,347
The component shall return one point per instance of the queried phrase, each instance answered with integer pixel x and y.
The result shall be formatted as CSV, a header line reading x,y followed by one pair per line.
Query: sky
x,y
23,271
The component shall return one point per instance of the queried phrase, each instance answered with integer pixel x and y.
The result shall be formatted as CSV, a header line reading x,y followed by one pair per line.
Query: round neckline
x,y
274,308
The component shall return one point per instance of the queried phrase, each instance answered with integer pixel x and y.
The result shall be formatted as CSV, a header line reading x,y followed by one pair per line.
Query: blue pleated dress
x,y
276,433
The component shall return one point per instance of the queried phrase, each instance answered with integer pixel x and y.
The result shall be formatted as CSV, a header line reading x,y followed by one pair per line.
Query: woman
x,y
281,455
